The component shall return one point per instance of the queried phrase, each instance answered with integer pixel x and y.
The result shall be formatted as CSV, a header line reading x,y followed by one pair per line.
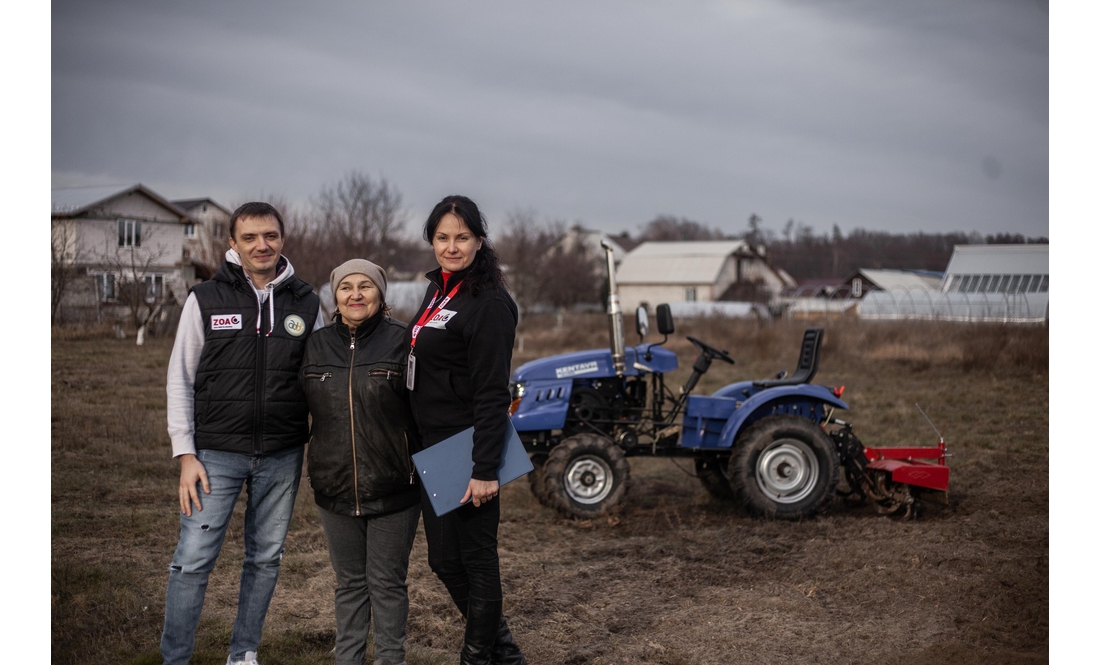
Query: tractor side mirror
x,y
642,322
664,320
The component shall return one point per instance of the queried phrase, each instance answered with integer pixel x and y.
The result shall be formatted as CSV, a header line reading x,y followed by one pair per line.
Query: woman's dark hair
x,y
485,271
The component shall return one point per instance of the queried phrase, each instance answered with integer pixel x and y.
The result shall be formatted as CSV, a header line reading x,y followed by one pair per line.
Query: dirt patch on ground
x,y
671,576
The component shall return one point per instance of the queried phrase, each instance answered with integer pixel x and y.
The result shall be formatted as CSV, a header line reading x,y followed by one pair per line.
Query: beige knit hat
x,y
358,267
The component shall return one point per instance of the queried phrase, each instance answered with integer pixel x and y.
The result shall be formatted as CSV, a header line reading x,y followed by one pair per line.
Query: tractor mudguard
x,y
740,390
544,406
804,400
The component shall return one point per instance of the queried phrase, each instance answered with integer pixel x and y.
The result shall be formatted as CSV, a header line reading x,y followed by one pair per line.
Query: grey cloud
x,y
878,115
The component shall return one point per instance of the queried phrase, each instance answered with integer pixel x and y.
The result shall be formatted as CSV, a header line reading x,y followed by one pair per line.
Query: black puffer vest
x,y
247,396
363,432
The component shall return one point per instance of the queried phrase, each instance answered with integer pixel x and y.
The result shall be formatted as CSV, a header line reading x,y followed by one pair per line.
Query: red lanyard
x,y
429,313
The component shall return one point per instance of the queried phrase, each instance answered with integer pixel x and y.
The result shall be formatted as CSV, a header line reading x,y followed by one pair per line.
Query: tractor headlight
x,y
517,391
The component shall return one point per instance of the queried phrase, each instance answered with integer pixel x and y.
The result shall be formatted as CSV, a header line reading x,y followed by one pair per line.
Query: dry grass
x,y
672,577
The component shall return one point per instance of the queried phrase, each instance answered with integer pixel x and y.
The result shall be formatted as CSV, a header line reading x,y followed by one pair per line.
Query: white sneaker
x,y
249,659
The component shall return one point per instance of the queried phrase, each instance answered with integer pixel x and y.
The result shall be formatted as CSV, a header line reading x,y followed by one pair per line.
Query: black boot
x,y
482,626
505,650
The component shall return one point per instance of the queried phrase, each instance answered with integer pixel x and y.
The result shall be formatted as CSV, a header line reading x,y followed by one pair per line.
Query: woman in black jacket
x,y
359,462
460,360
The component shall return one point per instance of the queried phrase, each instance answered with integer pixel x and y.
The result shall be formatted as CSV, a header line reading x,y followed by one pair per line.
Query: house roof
x,y
682,262
900,280
191,204
71,201
1000,260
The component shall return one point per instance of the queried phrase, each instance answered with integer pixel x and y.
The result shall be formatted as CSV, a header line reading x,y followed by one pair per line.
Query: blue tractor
x,y
764,443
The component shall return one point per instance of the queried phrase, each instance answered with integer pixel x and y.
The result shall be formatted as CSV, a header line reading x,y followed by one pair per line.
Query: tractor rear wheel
x,y
712,473
585,475
785,467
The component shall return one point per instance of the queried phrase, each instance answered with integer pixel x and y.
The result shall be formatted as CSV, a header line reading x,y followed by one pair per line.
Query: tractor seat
x,y
807,362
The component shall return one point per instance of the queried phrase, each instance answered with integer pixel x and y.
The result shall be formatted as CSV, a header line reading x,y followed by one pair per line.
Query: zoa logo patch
x,y
225,321
295,325
440,319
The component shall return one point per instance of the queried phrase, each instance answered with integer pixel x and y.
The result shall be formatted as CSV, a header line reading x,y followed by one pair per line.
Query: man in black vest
x,y
238,419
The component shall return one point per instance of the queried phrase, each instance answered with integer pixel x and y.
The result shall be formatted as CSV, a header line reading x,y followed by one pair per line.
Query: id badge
x,y
410,372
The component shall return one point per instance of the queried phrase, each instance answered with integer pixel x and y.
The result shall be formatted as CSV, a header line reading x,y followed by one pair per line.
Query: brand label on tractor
x,y
440,319
225,321
579,368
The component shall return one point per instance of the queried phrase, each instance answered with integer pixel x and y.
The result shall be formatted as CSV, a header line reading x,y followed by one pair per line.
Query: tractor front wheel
x,y
585,475
712,473
536,478
785,467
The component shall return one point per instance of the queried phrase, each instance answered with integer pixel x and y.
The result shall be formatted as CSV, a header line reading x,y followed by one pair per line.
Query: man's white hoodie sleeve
x,y
182,368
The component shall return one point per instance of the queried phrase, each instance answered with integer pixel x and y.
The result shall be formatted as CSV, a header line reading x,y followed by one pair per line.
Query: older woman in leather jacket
x,y
359,465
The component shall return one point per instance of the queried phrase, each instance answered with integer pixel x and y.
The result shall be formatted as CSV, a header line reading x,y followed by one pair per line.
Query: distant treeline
x,y
359,216
836,255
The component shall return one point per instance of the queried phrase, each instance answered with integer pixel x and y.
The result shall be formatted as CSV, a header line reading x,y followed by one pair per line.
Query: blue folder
x,y
446,467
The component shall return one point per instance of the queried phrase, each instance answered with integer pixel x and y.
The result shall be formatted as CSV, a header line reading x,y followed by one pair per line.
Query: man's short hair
x,y
255,209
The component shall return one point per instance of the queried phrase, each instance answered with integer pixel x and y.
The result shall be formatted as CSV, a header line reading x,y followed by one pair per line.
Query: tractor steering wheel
x,y
710,350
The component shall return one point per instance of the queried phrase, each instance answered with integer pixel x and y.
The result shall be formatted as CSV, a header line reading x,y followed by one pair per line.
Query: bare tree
x,y
522,248
362,216
141,289
574,277
666,227
65,254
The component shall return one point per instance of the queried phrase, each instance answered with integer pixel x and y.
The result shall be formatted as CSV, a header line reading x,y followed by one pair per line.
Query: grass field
x,y
673,577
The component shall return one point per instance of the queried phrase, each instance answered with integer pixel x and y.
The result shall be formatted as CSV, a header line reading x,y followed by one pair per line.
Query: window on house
x,y
105,287
857,287
218,230
186,254
1043,284
689,294
154,288
129,233
189,230
994,284
1014,285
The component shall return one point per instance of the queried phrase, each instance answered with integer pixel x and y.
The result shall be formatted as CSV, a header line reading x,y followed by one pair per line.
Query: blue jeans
x,y
271,482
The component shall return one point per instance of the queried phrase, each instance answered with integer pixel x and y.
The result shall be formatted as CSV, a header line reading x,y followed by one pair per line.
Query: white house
x,y
696,271
206,238
115,248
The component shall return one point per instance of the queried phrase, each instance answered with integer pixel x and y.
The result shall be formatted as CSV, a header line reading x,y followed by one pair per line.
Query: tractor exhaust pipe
x,y
614,314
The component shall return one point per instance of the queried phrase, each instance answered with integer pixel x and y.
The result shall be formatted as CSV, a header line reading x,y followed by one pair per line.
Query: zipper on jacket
x,y
326,375
351,416
382,372
261,370
408,457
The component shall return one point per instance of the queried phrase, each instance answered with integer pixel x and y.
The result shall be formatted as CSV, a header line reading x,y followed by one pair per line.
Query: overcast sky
x,y
923,115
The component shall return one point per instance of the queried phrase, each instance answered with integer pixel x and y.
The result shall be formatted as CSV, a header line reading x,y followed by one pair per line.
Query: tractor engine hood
x,y
595,364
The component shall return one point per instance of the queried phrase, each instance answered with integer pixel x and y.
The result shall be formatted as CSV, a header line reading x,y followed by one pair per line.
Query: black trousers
x,y
462,550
